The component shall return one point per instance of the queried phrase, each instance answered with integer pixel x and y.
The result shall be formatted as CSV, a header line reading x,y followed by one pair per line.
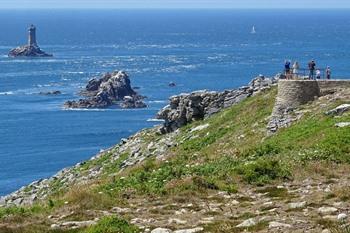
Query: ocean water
x,y
196,49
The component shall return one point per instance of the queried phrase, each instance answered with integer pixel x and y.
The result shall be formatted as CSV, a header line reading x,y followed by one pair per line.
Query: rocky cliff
x,y
110,89
185,108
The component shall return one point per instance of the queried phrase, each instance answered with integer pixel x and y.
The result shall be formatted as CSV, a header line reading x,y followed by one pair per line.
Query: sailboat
x,y
253,30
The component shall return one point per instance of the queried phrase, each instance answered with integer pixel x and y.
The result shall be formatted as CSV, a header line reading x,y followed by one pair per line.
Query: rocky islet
x,y
109,89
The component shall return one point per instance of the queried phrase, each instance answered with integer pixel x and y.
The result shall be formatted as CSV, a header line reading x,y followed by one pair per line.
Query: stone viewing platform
x,y
31,49
293,93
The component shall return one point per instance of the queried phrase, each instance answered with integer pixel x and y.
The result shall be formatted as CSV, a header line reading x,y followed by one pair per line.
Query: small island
x,y
110,89
31,49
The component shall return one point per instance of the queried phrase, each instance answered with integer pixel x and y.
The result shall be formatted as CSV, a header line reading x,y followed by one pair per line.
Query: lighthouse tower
x,y
32,36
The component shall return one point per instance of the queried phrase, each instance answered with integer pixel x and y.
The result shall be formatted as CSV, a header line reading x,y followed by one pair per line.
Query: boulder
x,y
110,89
247,223
327,210
161,230
297,205
50,93
339,110
342,124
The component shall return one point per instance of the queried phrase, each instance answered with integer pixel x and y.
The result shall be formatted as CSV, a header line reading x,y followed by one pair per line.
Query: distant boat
x,y
253,30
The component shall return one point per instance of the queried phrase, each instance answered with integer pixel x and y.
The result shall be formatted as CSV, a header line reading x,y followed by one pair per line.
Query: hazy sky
x,y
174,3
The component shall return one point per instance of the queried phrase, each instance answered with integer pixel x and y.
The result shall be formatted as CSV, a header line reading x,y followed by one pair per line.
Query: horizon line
x,y
175,8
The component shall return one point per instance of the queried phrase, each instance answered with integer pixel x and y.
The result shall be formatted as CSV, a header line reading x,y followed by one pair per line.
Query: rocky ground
x,y
110,89
28,51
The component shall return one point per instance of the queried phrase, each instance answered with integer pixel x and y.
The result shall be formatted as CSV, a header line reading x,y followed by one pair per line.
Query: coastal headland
x,y
215,165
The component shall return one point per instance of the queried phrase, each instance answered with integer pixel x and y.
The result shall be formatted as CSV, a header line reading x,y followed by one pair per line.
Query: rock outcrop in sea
x,y
111,89
31,49
185,108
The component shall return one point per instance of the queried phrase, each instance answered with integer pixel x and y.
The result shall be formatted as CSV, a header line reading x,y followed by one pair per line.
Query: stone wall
x,y
293,93
331,86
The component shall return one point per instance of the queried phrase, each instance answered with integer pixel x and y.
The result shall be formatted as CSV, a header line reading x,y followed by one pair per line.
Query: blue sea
x,y
196,49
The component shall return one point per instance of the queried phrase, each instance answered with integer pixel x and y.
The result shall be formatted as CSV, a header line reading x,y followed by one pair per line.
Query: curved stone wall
x,y
292,93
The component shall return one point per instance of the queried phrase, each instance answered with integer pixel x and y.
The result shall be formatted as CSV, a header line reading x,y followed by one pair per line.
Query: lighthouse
x,y
31,49
32,36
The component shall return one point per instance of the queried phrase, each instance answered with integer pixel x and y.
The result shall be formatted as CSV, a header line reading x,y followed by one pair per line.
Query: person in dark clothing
x,y
312,67
328,72
287,68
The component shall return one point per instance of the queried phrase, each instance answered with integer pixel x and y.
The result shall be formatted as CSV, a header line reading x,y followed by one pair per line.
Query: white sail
x,y
253,30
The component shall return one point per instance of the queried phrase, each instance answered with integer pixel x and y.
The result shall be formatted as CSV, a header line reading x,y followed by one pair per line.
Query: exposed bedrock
x,y
111,89
185,108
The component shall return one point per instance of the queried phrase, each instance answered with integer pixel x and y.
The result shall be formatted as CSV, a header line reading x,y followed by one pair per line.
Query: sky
x,y
174,4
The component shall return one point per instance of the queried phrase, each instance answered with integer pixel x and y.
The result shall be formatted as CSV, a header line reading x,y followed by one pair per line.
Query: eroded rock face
x,y
185,108
111,89
28,51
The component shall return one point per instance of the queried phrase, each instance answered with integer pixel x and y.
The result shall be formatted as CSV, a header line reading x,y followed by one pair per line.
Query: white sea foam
x,y
155,120
7,93
157,101
85,109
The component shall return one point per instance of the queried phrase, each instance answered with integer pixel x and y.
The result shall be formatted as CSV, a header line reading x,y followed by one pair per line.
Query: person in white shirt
x,y
296,68
318,74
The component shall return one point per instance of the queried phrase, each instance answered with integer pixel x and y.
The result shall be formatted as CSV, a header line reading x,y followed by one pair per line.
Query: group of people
x,y
314,73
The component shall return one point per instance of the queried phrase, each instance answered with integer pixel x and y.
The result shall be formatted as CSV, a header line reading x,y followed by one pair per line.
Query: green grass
x,y
112,224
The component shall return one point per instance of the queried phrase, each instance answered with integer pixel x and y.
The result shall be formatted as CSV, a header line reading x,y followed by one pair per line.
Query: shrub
x,y
112,224
263,170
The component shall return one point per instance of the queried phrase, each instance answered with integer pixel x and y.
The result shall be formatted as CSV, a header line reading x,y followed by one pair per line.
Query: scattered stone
x,y
342,124
342,216
247,223
279,225
339,110
177,221
161,230
193,230
120,210
200,127
74,224
111,89
327,210
235,202
297,205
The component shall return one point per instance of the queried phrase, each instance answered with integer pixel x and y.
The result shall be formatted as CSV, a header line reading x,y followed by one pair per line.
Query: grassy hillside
x,y
218,175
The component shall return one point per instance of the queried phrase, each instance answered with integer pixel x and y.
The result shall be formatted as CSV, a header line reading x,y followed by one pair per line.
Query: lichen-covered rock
x,y
111,89
185,108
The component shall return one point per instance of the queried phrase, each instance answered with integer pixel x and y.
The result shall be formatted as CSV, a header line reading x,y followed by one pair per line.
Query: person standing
x,y
312,66
296,69
328,73
318,74
287,68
